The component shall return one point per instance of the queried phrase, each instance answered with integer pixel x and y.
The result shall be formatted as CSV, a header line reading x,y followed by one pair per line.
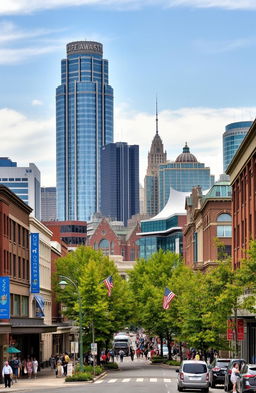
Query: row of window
x,y
19,305
16,266
73,228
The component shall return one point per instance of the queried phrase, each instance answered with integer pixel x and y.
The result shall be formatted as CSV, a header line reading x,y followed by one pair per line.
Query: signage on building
x,y
94,348
4,297
74,347
84,47
231,329
34,263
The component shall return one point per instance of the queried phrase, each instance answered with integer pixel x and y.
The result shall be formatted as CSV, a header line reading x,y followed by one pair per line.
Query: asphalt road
x,y
134,377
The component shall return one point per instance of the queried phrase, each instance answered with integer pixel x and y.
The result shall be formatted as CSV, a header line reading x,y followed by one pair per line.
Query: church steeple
x,y
156,117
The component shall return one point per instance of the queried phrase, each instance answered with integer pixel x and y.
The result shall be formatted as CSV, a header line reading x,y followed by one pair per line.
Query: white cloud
x,y
37,102
26,140
28,6
215,47
202,128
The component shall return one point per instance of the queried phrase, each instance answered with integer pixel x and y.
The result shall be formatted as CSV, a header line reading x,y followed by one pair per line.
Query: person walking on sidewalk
x,y
7,373
121,354
35,367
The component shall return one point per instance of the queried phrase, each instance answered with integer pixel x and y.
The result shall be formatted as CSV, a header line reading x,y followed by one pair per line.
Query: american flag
x,y
168,296
108,282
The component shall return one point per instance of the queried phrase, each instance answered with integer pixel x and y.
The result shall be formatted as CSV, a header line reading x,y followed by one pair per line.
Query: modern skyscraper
x,y
232,138
183,174
156,156
120,181
24,182
84,109
48,203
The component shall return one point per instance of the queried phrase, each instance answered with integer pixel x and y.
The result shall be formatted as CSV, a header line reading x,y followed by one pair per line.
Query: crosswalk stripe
x,y
153,380
112,380
126,379
167,380
139,379
99,381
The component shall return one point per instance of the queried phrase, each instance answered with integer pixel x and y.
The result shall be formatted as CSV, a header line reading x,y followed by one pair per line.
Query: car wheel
x,y
213,384
179,388
206,390
225,388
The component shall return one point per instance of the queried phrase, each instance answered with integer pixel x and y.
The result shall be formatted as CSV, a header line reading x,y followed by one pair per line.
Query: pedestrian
x,y
112,355
7,374
235,375
132,354
121,354
197,357
146,353
14,363
52,362
29,368
35,367
65,361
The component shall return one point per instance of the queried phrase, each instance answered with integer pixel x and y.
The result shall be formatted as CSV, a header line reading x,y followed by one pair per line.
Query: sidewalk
x,y
46,378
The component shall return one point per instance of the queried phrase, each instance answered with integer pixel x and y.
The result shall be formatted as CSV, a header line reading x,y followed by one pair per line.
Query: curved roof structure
x,y
174,205
186,156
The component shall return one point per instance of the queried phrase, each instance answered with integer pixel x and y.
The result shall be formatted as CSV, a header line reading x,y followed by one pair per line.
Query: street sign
x,y
240,329
94,348
74,347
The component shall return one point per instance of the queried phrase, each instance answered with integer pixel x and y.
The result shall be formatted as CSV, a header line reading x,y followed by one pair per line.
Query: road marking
x,y
126,379
167,380
139,379
99,381
153,380
112,380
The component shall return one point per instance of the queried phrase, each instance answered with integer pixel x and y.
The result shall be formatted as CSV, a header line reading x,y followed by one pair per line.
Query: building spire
x,y
156,117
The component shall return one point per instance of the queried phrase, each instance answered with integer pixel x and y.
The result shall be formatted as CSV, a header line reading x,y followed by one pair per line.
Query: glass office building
x,y
120,181
24,182
84,123
48,203
183,174
232,138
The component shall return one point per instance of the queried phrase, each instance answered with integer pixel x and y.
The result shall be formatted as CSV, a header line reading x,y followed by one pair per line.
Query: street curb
x,y
100,376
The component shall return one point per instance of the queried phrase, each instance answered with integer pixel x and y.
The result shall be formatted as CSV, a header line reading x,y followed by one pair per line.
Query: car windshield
x,y
194,368
222,363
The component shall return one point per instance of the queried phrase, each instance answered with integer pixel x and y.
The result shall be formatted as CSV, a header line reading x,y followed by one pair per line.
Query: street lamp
x,y
63,283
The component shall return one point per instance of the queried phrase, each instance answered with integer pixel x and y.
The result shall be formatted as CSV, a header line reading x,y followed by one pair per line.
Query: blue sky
x,y
198,56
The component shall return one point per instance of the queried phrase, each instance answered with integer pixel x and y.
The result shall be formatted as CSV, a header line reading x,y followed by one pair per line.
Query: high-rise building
x,y
84,111
232,138
120,181
156,156
183,174
48,203
24,182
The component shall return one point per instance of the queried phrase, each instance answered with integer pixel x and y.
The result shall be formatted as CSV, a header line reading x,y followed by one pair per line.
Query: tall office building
x,y
48,203
84,106
156,156
120,181
24,182
232,138
183,174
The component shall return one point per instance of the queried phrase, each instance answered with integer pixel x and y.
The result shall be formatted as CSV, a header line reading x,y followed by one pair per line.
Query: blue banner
x,y
39,306
4,297
34,263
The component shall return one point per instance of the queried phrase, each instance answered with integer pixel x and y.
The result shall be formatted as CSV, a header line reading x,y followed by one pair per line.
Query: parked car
x,y
247,382
227,383
217,371
193,374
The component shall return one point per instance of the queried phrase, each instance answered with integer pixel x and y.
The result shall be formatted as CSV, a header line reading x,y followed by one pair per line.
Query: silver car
x,y
193,374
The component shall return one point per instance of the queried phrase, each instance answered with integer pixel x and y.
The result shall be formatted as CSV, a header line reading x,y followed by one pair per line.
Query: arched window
x,y
224,217
104,246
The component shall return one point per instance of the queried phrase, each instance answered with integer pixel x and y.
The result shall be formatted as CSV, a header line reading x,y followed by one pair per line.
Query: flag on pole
x,y
108,282
168,296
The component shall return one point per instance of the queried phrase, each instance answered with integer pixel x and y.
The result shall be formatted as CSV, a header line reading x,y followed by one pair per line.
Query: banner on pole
x,y
5,297
34,263
94,348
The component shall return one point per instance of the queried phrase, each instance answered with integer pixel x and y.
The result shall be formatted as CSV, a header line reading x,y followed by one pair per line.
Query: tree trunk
x,y
168,337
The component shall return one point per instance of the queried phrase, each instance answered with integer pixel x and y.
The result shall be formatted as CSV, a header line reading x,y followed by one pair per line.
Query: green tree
x,y
88,268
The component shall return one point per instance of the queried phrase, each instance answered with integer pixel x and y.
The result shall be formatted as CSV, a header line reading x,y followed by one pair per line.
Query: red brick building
x,y
242,171
113,238
207,234
73,233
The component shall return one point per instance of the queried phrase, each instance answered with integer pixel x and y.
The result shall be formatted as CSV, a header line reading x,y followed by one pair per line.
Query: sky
x,y
197,56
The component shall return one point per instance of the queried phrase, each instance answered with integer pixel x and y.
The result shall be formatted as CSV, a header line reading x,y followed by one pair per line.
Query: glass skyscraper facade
x,y
183,174
120,181
84,123
232,138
